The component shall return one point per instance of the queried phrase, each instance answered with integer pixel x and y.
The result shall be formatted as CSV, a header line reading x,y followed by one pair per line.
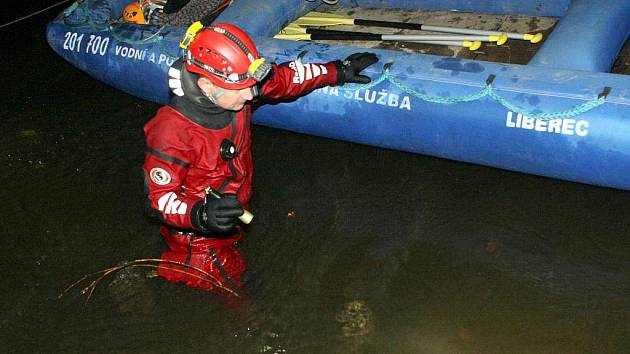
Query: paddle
x,y
325,19
294,32
471,45
358,36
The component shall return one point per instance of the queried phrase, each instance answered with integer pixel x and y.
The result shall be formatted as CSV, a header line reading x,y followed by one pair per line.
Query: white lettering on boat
x,y
95,44
98,45
131,53
381,97
559,126
72,41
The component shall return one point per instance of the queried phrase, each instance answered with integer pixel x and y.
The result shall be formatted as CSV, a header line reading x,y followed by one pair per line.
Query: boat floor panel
x,y
513,52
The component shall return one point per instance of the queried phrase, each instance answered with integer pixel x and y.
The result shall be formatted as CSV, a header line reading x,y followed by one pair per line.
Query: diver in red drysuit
x,y
202,139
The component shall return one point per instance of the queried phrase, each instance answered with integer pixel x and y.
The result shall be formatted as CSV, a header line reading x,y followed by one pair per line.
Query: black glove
x,y
349,69
217,215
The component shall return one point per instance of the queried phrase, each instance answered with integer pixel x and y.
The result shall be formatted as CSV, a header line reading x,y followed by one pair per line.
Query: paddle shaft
x,y
421,27
466,44
359,36
389,24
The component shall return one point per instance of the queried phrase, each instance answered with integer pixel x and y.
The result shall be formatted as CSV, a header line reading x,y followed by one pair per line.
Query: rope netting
x,y
488,91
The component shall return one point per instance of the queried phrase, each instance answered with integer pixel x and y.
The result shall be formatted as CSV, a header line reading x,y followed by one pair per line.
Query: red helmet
x,y
226,55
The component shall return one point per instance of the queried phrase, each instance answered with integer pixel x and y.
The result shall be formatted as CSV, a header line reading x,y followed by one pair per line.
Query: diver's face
x,y
232,100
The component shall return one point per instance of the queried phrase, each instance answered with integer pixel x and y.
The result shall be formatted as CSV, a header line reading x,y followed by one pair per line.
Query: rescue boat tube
x,y
465,110
588,38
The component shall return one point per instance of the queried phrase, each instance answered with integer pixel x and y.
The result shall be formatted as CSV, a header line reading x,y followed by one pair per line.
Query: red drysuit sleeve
x,y
165,169
294,79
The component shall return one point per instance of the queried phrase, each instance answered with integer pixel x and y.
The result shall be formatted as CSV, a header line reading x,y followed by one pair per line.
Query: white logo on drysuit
x,y
175,81
160,176
307,71
169,204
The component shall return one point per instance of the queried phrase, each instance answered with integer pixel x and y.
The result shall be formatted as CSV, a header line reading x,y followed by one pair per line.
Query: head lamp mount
x,y
259,69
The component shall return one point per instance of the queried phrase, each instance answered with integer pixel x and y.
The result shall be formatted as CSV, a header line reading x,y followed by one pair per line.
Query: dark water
x,y
353,248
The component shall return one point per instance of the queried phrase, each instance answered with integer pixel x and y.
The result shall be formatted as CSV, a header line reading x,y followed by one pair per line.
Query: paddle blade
x,y
294,37
314,18
500,39
474,45
293,29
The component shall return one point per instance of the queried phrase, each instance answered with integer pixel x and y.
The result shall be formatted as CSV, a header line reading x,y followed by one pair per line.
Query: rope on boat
x,y
33,14
487,91
155,37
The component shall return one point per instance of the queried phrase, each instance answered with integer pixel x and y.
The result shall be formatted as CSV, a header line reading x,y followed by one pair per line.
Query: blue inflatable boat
x,y
563,115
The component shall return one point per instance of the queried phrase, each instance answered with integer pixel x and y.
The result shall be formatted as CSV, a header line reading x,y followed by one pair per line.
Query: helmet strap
x,y
214,97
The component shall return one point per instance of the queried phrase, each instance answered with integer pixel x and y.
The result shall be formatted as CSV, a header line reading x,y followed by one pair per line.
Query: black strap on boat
x,y
490,79
604,94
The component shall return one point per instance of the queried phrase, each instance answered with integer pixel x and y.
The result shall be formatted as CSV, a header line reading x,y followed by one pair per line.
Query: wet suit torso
x,y
183,158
